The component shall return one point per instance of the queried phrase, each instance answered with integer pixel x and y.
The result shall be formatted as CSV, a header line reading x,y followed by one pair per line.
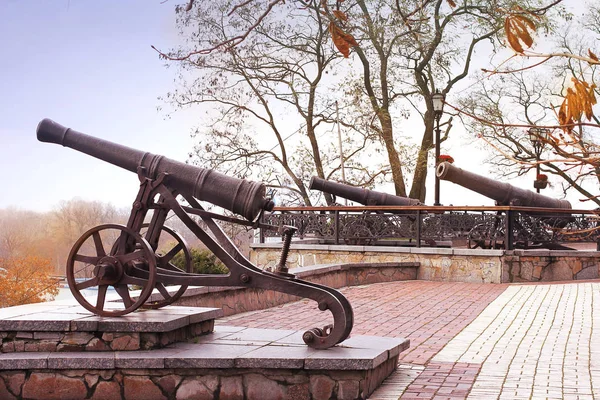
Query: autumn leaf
x,y
452,3
578,103
340,15
342,40
516,28
592,55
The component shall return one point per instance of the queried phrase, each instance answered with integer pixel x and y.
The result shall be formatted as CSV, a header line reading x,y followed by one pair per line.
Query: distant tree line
x,y
34,246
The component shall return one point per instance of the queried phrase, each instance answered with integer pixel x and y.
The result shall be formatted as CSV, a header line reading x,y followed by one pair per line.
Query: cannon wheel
x,y
125,271
164,262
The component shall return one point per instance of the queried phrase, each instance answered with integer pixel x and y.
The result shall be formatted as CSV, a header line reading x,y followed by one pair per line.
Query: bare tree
x,y
506,106
271,97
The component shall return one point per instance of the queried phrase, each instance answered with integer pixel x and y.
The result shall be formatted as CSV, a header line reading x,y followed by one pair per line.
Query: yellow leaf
x,y
577,103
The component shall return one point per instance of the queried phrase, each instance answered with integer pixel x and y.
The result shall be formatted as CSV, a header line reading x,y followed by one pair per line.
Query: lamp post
x,y
538,137
438,109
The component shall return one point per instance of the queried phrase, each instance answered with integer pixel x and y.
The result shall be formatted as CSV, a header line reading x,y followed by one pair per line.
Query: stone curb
x,y
230,351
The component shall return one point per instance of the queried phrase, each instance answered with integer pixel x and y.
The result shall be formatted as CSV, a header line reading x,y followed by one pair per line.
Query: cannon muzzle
x,y
503,193
360,195
240,196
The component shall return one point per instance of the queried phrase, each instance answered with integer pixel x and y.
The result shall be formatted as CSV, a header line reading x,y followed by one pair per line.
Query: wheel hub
x,y
109,270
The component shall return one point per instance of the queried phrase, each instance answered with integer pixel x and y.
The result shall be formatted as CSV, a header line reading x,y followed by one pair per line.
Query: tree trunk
x,y
393,157
418,189
312,137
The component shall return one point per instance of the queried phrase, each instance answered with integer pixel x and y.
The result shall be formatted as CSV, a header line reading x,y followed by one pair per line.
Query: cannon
x,y
504,194
363,229
360,195
534,226
127,257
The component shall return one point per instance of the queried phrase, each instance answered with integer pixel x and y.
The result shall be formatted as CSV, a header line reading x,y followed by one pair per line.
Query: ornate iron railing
x,y
477,227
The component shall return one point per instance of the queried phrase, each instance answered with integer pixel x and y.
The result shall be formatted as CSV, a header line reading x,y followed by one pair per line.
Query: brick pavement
x,y
476,341
430,314
534,342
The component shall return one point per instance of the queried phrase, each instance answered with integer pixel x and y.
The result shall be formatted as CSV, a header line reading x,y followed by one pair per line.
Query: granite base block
x,y
230,363
71,328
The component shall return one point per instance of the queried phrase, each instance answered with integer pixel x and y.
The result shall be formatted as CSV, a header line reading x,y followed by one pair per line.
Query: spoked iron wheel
x,y
175,245
129,265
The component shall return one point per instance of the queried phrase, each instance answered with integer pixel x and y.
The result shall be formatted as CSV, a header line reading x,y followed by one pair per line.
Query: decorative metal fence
x,y
477,227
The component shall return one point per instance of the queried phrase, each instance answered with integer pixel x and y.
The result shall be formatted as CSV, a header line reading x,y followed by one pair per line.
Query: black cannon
x,y
536,227
360,195
127,257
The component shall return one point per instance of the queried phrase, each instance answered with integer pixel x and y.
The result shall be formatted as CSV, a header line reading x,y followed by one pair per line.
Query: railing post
x,y
336,226
418,228
508,234
261,232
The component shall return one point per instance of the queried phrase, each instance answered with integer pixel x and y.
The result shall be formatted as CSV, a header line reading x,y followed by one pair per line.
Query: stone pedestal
x,y
50,327
65,353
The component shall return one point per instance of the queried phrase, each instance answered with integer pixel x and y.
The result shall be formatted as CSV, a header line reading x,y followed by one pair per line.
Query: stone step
x,y
231,362
51,327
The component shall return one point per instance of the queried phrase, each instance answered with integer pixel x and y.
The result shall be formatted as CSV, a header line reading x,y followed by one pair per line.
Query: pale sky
x,y
89,66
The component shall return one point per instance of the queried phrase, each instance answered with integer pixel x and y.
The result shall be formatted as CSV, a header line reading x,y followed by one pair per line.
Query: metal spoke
x,y
163,290
87,284
171,267
173,252
132,280
86,259
131,256
123,291
98,243
101,296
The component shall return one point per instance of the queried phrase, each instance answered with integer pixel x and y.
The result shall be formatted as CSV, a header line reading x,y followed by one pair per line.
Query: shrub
x,y
25,280
203,262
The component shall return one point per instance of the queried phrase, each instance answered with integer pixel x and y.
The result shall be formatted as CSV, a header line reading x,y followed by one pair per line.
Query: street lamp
x,y
538,137
438,109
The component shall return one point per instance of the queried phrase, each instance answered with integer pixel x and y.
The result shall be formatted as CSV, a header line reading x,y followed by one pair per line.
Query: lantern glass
x,y
534,135
438,102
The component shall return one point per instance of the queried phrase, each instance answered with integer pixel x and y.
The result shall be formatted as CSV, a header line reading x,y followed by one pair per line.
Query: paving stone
x,y
345,359
275,357
20,361
258,335
41,321
208,356
393,345
149,359
89,360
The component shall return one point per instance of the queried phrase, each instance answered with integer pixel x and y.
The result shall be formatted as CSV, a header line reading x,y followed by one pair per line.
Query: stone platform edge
x,y
251,362
53,327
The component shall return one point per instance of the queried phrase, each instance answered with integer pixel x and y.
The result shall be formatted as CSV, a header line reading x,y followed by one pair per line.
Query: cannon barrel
x,y
360,195
503,193
240,196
